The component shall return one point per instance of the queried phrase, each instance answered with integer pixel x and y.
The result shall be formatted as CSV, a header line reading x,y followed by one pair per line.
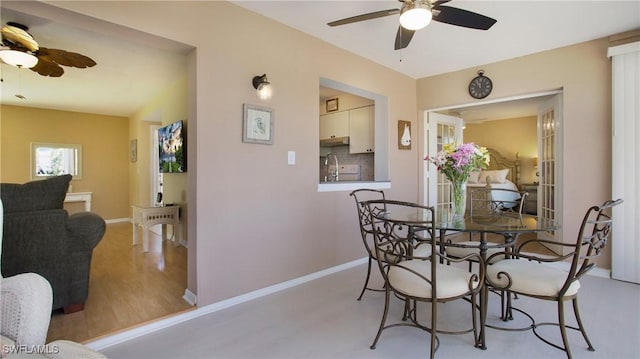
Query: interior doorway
x,y
546,107
156,185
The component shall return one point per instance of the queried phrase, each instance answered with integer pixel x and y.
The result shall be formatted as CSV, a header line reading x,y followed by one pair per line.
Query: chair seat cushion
x,y
532,278
471,247
451,282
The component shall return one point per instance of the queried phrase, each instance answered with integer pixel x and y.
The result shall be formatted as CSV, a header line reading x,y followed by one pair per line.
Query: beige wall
x,y
105,151
258,221
514,135
583,72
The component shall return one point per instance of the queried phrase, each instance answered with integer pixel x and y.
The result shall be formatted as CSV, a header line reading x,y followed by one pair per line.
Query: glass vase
x,y
459,194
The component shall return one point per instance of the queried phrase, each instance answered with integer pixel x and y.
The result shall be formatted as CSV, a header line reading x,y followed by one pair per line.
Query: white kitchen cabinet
x,y
333,125
361,130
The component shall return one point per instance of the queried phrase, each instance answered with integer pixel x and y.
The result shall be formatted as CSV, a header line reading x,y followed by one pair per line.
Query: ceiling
x,y
134,66
523,27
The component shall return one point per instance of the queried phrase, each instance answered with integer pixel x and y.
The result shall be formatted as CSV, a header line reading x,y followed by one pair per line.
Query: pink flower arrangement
x,y
457,161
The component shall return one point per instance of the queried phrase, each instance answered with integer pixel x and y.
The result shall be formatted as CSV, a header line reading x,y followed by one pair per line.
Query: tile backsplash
x,y
365,160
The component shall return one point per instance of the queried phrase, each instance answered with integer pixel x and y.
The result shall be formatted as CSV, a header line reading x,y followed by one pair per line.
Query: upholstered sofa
x,y
41,237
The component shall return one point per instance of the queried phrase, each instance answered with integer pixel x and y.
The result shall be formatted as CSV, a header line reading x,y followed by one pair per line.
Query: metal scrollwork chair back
x,y
361,196
416,277
496,200
530,275
366,229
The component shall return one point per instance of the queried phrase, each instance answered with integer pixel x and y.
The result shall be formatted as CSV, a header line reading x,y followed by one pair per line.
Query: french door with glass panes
x,y
441,129
549,163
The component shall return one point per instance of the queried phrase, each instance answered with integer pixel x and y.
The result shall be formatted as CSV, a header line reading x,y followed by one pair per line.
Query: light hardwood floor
x,y
127,287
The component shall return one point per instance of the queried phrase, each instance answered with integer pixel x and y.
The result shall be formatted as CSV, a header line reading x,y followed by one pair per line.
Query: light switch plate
x,y
291,157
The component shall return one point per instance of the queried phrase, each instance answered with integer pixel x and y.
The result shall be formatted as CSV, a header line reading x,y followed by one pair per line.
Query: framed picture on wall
x,y
332,104
257,126
133,150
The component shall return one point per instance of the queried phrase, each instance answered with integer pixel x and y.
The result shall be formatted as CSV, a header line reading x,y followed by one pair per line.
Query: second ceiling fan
x,y
416,14
20,49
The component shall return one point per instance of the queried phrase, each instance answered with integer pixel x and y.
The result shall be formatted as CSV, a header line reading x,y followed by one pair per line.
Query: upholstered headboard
x,y
498,162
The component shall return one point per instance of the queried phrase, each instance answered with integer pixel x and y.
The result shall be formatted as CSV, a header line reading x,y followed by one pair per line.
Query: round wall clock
x,y
480,86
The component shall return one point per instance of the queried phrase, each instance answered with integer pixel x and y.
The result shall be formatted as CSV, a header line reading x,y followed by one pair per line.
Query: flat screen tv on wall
x,y
172,148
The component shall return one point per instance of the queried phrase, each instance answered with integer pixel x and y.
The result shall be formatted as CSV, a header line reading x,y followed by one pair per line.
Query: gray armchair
x,y
41,237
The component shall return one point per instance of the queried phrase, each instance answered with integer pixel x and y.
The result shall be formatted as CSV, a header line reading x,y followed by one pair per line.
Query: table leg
x,y
484,296
177,234
164,232
135,232
145,240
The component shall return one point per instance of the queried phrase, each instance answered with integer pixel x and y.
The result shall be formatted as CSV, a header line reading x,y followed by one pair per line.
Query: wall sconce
x,y
404,135
262,86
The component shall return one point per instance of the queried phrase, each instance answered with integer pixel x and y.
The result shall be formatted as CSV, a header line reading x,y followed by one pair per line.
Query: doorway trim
x,y
497,100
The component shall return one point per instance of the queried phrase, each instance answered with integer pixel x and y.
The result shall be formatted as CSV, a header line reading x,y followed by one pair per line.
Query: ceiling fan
x,y
416,14
19,49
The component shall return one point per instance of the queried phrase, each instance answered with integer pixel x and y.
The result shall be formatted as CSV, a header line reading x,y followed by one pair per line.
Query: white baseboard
x,y
190,297
136,332
117,220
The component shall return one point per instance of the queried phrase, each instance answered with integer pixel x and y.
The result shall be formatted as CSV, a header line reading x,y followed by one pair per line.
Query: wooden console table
x,y
150,216
80,197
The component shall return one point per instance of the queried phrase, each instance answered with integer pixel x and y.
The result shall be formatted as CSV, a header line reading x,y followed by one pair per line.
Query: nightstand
x,y
531,203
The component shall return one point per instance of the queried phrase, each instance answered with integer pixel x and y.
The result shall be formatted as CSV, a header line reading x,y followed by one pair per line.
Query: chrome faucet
x,y
335,173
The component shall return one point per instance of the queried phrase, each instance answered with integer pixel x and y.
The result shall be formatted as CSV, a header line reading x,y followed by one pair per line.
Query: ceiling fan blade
x,y
363,17
46,67
67,58
460,17
403,37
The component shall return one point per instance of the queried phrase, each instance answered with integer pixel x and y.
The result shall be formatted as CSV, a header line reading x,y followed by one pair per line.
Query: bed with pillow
x,y
501,173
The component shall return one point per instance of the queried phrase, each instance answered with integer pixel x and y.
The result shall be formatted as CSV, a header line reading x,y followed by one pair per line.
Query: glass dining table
x,y
507,225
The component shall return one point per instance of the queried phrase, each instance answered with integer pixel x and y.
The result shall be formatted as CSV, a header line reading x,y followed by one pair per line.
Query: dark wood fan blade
x,y
66,58
460,17
363,17
403,37
46,67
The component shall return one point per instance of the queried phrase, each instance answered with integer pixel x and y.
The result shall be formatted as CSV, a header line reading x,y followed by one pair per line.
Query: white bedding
x,y
509,199
506,185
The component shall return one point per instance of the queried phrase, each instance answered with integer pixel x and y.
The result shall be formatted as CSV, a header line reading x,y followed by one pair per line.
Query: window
x,y
51,159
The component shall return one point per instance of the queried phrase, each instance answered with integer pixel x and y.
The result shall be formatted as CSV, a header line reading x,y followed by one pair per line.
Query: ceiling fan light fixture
x,y
18,59
415,15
